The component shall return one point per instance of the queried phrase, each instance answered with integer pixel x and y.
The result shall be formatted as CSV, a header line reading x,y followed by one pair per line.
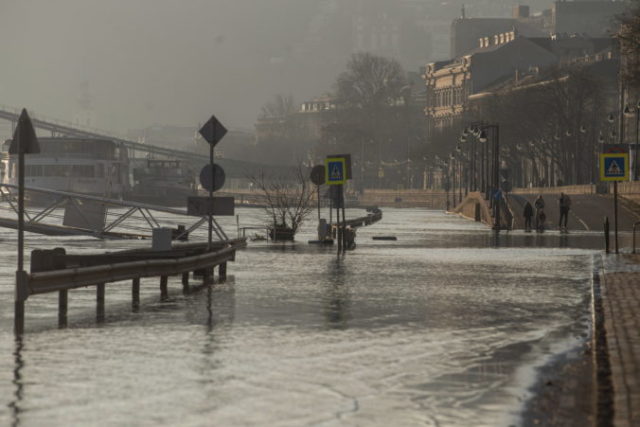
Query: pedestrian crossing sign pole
x,y
614,167
335,170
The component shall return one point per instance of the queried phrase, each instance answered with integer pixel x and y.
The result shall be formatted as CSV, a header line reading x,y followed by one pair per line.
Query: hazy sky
x,y
176,62
153,61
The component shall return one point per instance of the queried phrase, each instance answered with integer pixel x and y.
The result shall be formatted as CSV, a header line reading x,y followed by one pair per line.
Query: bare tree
x,y
629,36
375,120
288,201
370,81
550,123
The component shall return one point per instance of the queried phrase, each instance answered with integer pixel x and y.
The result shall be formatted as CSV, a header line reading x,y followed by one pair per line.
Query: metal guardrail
x,y
70,278
49,273
365,220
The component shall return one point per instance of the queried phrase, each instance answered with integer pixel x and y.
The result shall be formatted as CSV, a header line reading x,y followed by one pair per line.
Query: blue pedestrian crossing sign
x,y
614,167
335,170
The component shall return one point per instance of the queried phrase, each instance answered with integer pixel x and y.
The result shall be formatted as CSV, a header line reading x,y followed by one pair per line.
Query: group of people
x,y
564,203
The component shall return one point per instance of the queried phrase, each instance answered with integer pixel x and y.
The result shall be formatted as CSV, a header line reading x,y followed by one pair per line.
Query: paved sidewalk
x,y
621,309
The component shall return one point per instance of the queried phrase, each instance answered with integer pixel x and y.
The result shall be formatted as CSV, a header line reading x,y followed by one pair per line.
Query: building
x,y
465,32
450,83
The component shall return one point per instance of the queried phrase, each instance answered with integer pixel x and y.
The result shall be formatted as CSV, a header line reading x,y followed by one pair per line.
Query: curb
x,y
602,367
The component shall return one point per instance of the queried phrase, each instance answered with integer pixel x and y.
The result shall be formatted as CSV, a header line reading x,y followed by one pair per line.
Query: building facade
x,y
450,83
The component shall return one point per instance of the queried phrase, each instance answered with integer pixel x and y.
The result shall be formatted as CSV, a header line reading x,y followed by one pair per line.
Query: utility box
x,y
161,239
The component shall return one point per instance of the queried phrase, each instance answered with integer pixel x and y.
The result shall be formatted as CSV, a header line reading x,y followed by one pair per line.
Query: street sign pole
x,y
212,132
24,142
213,179
615,214
614,166
344,221
19,304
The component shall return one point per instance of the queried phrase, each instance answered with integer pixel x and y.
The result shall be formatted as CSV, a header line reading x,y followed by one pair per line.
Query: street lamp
x,y
629,111
493,189
447,184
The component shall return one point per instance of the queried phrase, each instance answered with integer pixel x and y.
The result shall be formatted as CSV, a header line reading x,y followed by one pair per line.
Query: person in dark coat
x,y
565,204
527,214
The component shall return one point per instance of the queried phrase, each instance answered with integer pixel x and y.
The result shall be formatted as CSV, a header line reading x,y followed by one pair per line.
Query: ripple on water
x,y
442,327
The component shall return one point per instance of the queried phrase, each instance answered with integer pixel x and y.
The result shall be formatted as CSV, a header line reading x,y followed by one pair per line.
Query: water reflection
x,y
337,296
435,316
18,393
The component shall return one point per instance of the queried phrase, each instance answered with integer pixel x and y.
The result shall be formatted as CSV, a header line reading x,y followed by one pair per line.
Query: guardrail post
x,y
20,298
222,271
207,275
135,293
164,291
62,308
100,302
185,282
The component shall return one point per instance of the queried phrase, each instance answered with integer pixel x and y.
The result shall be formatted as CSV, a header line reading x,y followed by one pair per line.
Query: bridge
x,y
233,168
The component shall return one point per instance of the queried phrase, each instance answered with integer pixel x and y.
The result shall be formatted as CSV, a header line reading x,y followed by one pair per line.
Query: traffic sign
x,y
347,160
615,148
201,206
335,170
212,177
317,175
213,131
24,137
614,167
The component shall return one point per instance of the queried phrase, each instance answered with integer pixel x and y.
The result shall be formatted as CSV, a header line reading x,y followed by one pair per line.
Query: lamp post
x,y
425,182
629,111
447,183
496,168
452,172
459,159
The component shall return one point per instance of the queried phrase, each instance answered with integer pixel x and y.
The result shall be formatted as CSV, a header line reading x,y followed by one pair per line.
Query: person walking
x,y
527,214
565,205
539,204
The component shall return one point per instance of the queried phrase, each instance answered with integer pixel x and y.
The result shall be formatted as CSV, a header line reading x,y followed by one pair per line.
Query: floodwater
x,y
444,327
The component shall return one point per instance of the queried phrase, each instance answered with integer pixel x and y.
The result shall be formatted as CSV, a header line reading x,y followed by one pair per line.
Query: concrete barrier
x,y
630,191
404,198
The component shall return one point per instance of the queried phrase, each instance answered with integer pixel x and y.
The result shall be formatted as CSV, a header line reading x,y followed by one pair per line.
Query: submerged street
x,y
448,325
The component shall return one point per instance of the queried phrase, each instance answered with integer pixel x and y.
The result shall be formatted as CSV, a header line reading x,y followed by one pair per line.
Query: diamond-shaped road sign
x,y
24,138
213,131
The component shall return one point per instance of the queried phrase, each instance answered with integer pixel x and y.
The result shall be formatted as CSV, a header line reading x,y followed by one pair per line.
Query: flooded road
x,y
444,327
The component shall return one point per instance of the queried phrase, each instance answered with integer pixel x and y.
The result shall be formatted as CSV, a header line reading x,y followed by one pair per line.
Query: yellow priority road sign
x,y
335,170
614,167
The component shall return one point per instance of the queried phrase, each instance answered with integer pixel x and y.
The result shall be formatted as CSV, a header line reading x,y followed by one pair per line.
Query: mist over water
x,y
160,61
131,64
443,327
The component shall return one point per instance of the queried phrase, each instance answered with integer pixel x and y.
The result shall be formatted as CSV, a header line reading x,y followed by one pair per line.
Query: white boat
x,y
81,165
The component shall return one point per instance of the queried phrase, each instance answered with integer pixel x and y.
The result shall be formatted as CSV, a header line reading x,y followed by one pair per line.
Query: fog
x,y
134,63
148,61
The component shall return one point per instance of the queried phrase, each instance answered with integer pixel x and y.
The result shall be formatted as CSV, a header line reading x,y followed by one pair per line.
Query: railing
x,y
69,278
49,273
